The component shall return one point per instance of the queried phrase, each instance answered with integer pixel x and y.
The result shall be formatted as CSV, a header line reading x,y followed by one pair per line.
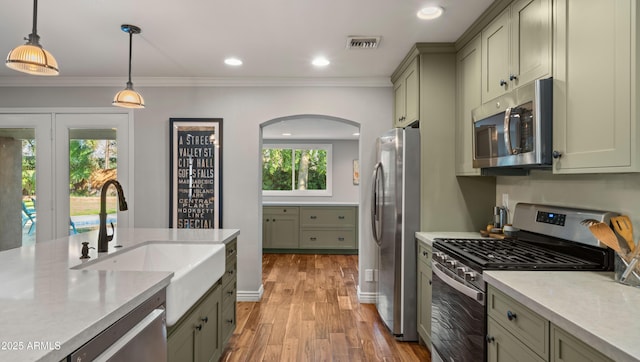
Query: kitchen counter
x,y
589,305
49,310
428,236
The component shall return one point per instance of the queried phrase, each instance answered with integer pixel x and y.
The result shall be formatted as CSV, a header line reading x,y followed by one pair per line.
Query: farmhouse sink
x,y
195,267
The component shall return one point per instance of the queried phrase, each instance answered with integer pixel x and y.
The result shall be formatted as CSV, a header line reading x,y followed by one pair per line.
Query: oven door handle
x,y
468,291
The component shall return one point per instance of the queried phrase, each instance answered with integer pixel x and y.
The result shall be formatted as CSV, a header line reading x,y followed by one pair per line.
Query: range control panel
x,y
551,218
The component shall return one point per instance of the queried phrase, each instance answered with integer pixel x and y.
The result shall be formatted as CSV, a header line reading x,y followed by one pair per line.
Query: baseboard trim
x,y
367,297
250,296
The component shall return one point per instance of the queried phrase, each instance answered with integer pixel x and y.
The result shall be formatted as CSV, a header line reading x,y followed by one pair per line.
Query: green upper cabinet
x,y
406,89
516,47
468,97
595,78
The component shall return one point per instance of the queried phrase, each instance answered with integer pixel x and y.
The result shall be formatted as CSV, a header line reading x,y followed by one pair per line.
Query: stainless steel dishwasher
x,y
139,336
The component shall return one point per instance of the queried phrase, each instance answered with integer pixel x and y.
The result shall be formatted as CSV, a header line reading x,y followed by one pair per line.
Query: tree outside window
x,y
296,169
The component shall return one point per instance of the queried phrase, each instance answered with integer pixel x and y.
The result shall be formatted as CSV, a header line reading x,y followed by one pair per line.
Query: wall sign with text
x,y
196,173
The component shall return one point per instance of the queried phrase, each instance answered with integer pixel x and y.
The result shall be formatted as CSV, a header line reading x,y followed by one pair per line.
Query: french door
x,y
53,164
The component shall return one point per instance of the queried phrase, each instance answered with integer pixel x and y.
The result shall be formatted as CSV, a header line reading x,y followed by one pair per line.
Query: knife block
x,y
620,266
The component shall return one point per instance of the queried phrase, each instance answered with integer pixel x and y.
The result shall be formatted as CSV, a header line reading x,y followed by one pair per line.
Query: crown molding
x,y
24,81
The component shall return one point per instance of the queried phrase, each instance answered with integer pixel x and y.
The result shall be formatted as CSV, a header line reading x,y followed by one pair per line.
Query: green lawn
x,y
90,205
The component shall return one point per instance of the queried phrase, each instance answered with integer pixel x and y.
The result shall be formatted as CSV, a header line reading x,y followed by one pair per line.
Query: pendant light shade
x,y
31,57
128,97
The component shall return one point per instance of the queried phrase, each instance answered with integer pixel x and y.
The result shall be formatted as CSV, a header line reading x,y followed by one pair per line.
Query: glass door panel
x,y
25,205
93,160
96,149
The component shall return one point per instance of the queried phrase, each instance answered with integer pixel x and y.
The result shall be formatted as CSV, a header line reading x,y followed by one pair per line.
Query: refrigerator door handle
x,y
376,209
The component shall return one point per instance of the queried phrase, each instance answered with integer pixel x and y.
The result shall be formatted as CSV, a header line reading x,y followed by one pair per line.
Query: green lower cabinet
x,y
502,346
197,336
424,292
567,348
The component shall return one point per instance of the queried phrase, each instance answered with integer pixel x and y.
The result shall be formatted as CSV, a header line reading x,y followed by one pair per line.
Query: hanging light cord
x,y
34,38
129,84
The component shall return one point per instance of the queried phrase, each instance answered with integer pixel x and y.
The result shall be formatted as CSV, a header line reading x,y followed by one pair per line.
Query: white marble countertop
x,y
428,236
48,310
589,305
309,203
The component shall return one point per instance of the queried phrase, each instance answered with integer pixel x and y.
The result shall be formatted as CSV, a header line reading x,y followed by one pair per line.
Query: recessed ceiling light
x,y
233,61
320,62
430,12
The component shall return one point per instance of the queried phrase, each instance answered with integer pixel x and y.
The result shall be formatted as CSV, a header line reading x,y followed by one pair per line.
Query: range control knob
x,y
452,263
461,271
470,276
441,257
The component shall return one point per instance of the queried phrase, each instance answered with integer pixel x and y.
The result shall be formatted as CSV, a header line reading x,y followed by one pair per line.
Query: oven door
x,y
458,322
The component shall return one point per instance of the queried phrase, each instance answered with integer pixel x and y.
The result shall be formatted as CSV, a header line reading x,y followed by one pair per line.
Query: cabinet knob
x,y
503,82
341,217
556,154
199,327
313,217
430,281
313,238
229,321
510,315
490,339
205,319
340,239
230,272
512,77
425,253
230,292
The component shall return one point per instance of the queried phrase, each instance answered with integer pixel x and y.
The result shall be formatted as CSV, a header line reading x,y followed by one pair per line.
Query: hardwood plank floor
x,y
310,312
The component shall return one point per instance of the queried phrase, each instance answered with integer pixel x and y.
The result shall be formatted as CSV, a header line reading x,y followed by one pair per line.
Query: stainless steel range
x,y
550,238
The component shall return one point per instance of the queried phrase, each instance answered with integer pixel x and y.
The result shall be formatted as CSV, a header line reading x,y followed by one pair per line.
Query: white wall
x,y
610,192
243,110
344,191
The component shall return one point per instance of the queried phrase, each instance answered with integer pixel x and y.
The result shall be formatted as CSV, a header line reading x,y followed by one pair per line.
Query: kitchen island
x,y
49,310
590,306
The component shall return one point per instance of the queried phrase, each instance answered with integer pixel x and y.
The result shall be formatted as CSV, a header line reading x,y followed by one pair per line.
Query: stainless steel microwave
x,y
515,130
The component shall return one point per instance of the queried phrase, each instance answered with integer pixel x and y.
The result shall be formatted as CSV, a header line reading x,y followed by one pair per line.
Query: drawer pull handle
x,y
313,238
229,321
230,272
340,239
510,315
230,292
425,253
205,319
313,217
341,217
199,327
490,339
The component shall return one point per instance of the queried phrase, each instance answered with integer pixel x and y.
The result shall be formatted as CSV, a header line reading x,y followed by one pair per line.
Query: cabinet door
x,y
284,231
495,57
181,344
209,327
530,41
594,129
502,346
407,96
566,348
424,302
469,96
399,102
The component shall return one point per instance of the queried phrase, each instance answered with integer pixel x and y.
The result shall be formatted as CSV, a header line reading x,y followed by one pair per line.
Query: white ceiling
x,y
191,38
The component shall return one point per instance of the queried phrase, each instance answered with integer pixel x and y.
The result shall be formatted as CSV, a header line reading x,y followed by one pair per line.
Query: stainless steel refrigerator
x,y
395,218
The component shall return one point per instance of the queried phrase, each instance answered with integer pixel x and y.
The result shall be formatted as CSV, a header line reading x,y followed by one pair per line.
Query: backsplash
x,y
610,192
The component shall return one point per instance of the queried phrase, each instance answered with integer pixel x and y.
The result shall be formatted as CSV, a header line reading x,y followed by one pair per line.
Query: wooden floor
x,y
310,312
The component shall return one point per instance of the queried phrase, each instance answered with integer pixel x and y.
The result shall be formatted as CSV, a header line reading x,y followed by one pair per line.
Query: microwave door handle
x,y
507,131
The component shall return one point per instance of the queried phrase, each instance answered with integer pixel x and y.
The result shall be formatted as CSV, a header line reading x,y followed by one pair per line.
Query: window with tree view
x,y
296,169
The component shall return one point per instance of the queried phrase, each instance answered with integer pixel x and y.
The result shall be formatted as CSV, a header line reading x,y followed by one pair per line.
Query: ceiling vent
x,y
363,42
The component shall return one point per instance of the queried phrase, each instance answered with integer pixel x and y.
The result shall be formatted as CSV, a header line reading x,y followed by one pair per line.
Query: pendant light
x,y
31,57
129,98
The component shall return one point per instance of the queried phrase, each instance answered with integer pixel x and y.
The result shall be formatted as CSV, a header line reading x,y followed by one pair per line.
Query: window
x,y
296,169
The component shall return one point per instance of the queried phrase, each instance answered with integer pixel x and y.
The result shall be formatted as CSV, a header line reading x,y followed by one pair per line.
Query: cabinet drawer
x,y
231,250
329,217
281,210
424,253
229,294
328,239
530,328
229,275
567,348
503,346
228,322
